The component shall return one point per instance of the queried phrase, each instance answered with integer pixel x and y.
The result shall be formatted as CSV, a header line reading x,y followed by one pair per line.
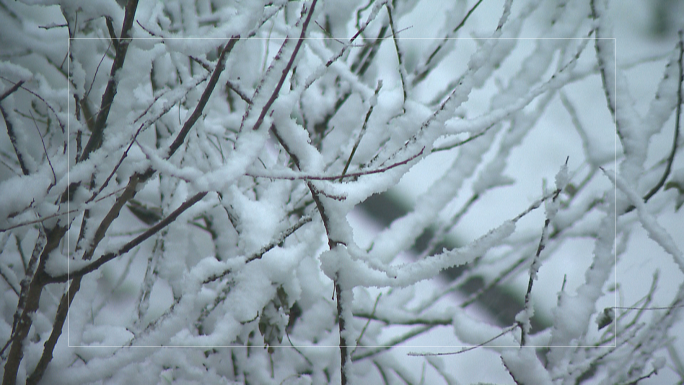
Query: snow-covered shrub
x,y
178,179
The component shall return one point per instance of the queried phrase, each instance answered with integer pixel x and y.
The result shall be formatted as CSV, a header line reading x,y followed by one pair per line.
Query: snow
x,y
188,305
11,70
655,231
525,367
20,192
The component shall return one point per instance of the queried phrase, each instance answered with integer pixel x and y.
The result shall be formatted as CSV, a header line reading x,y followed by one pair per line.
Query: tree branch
x,y
95,140
130,245
13,139
11,90
286,70
49,346
220,66
29,302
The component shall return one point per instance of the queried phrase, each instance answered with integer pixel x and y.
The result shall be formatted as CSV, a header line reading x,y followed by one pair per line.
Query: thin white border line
x,y
69,300
343,39
337,346
615,191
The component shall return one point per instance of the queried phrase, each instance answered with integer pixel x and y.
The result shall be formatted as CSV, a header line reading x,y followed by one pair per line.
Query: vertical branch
x,y
29,301
678,113
49,346
197,112
601,46
424,69
121,45
151,272
13,139
345,354
373,101
309,13
400,55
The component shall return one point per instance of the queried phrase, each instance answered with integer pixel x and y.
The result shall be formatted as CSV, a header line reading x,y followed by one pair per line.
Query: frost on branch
x,y
181,185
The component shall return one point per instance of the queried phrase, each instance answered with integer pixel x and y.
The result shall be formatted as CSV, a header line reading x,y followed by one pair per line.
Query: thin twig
x,y
400,55
504,332
425,68
533,273
54,176
265,249
42,219
13,139
11,90
112,34
363,128
286,70
220,65
130,245
678,113
62,126
130,145
408,321
393,342
458,144
8,281
363,331
342,176
234,87
122,44
85,97
111,215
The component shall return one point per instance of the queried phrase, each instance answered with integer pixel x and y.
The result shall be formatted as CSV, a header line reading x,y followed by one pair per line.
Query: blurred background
x,y
645,33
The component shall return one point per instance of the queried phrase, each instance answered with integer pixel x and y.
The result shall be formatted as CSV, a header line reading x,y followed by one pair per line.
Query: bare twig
x,y
59,121
112,34
400,55
363,331
97,69
13,139
363,128
417,320
393,342
458,144
503,332
11,90
424,69
10,282
111,215
54,176
142,127
342,176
